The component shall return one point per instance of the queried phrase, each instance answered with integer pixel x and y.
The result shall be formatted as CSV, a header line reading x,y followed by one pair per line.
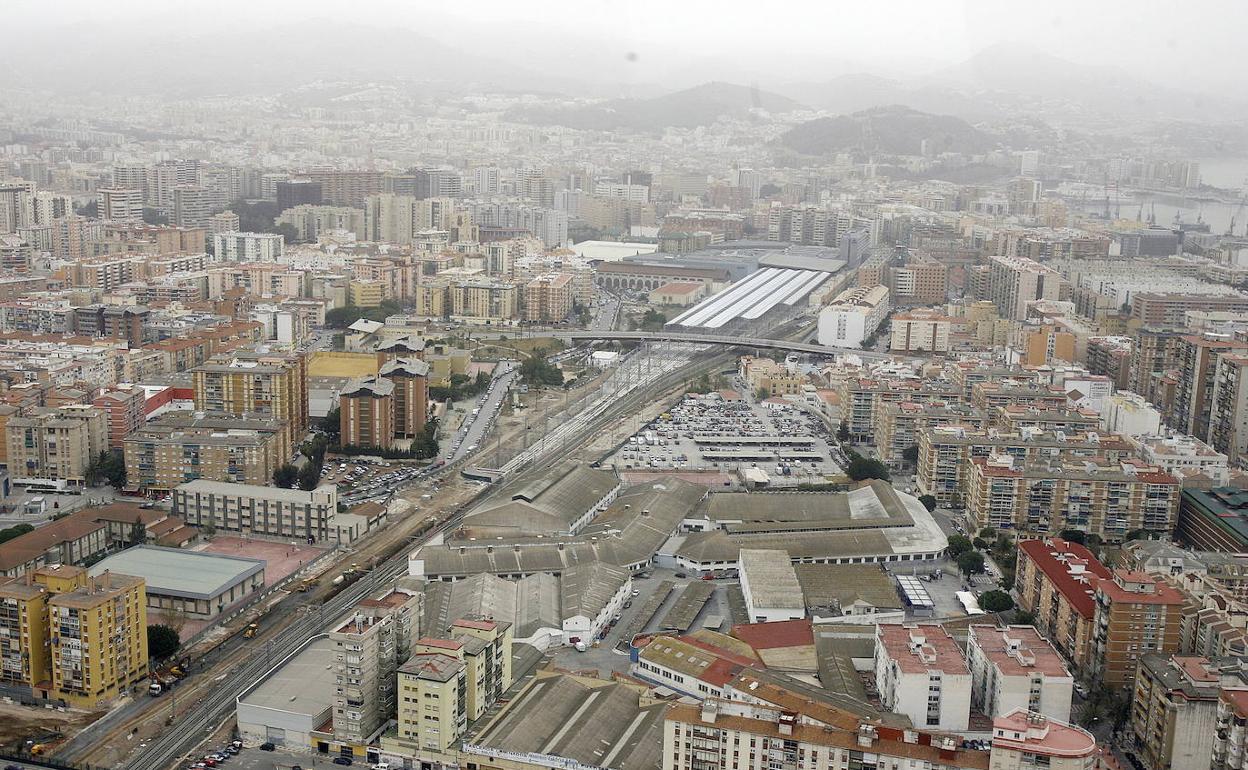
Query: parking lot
x,y
732,432
360,479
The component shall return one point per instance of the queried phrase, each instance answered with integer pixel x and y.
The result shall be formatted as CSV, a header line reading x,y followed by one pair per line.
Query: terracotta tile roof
x,y
1071,568
768,636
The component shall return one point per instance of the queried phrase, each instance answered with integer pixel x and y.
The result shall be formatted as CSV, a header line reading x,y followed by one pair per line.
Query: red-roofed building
x,y
782,633
1015,667
1056,582
1023,739
697,667
1136,613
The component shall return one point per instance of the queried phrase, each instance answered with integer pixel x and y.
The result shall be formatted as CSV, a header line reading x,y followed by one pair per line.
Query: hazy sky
x,y
1195,43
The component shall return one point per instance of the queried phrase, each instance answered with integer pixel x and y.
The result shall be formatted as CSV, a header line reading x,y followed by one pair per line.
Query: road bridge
x,y
720,339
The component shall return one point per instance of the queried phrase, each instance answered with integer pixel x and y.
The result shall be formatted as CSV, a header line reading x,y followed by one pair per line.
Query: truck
x,y
251,630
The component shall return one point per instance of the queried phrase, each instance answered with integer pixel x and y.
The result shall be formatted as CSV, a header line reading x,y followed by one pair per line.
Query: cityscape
x,y
562,386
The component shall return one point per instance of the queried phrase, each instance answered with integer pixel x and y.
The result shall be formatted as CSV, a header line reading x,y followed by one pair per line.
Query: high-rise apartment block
x,y
119,205
1013,282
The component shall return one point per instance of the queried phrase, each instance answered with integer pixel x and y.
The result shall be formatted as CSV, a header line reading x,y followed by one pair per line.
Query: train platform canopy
x,y
751,298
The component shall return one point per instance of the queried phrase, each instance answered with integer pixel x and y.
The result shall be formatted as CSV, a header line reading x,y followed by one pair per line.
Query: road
x,y
605,315
478,424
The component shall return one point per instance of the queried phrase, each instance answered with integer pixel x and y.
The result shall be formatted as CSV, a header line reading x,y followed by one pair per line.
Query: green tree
x,y
652,321
17,530
987,533
842,432
762,394
980,543
971,563
1139,534
958,545
995,601
1074,536
1024,618
537,371
331,422
138,532
911,454
285,476
309,476
929,502
107,467
162,641
861,468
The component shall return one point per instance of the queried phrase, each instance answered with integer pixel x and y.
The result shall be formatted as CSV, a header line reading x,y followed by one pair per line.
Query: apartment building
x,y
1045,344
853,316
1107,500
920,672
72,637
453,680
764,374
861,398
367,413
248,247
548,298
119,205
251,384
1169,309
193,205
1018,417
311,221
345,188
1174,708
1022,740
946,451
179,447
994,394
1055,581
366,293
1214,520
1228,408
920,331
260,510
1017,668
410,377
55,444
1129,414
1136,613
367,649
1186,458
899,424
1197,367
483,301
126,410
1013,282
721,734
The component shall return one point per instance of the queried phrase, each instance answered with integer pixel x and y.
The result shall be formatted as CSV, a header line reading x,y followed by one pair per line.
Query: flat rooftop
x,y
185,574
302,684
922,647
772,580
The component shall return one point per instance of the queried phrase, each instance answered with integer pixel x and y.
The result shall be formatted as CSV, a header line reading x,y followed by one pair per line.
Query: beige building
x,y
1107,500
262,510
250,384
548,298
920,331
55,444
900,424
1022,740
484,301
765,374
1055,581
1174,708
366,413
179,447
1015,281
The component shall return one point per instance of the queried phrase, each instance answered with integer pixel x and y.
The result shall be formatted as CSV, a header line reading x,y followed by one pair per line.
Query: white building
x,y
919,332
1022,740
638,193
1014,668
118,205
248,247
264,510
291,702
1183,456
920,672
770,586
853,316
591,595
1129,414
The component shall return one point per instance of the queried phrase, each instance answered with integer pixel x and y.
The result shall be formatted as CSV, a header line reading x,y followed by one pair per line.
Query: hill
x,y
891,130
697,106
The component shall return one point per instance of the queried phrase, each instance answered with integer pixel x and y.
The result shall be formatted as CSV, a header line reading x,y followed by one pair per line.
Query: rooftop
x,y
1023,730
301,684
920,648
1018,651
206,487
187,574
1224,507
1071,568
772,580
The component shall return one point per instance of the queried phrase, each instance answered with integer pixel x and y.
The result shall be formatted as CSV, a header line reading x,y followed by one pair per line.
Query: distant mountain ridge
x,y
697,106
893,130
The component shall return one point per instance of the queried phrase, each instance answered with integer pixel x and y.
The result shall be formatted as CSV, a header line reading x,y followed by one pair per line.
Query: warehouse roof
x,y
772,581
186,574
594,722
550,503
585,589
841,585
300,684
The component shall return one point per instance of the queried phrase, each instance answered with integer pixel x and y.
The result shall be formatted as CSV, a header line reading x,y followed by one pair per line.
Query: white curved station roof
x,y
752,297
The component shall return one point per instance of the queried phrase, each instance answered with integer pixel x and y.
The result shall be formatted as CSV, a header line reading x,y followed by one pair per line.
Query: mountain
x,y
893,130
856,92
244,59
697,106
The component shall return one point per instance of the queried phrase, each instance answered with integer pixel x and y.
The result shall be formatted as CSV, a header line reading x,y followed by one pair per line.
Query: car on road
x,y
342,760
267,747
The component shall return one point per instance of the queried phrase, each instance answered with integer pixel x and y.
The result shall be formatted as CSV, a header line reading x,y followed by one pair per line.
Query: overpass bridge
x,y
719,339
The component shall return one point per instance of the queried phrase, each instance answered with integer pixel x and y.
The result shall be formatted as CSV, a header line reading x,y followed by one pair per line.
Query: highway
x,y
475,428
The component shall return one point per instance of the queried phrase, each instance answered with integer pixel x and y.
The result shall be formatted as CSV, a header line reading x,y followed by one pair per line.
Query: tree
x,y
980,544
995,601
17,530
162,641
285,476
536,370
842,432
1024,618
138,532
929,502
762,394
331,422
652,321
309,476
958,545
1139,534
971,563
1074,536
911,455
987,533
108,467
861,468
